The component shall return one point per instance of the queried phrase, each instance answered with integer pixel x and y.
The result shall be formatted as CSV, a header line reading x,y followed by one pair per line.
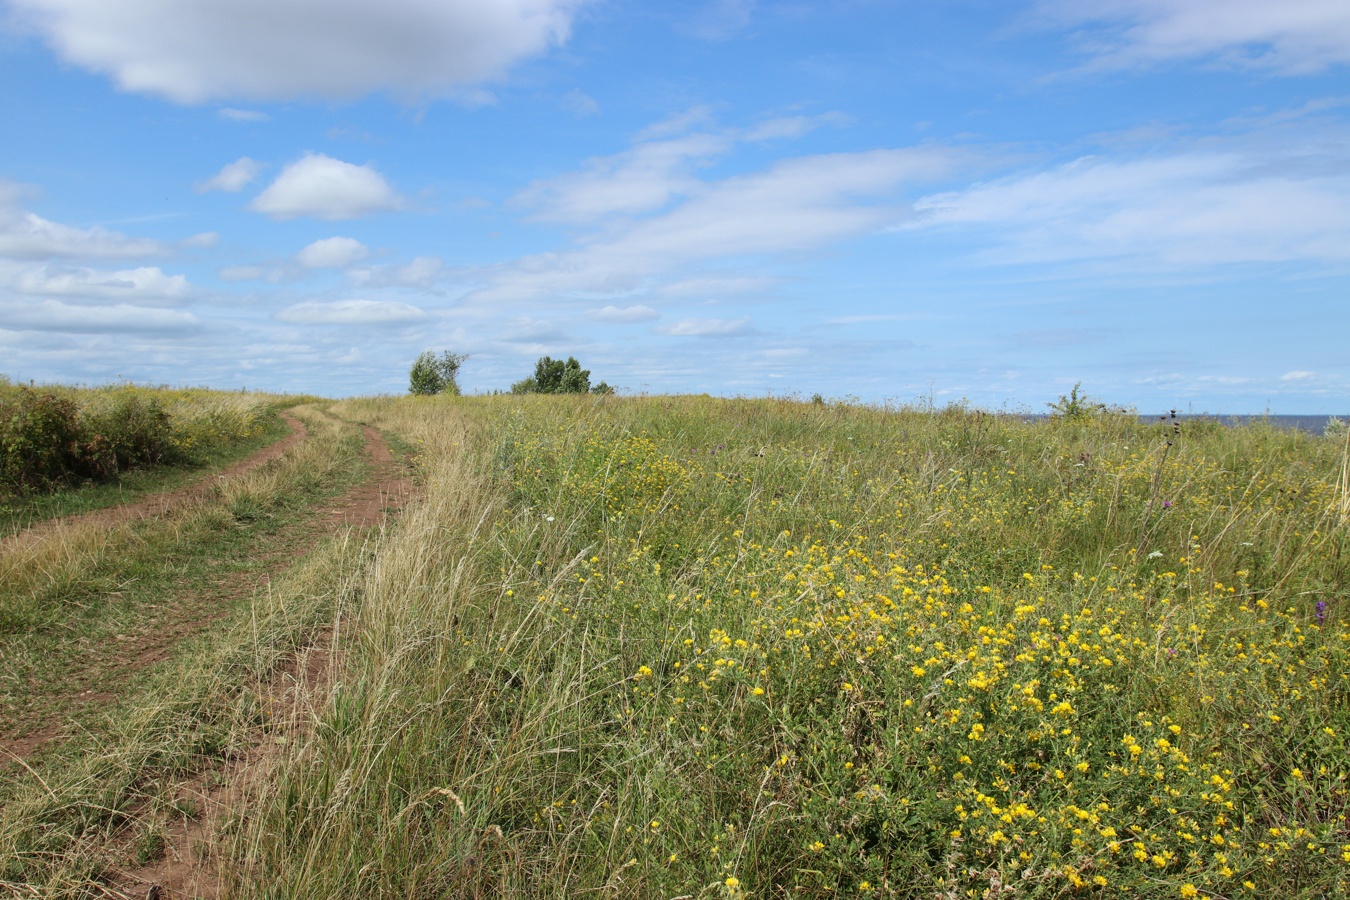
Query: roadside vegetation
x,y
65,450
699,648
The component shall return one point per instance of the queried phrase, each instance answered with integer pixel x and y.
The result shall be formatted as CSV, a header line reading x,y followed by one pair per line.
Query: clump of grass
x,y
689,647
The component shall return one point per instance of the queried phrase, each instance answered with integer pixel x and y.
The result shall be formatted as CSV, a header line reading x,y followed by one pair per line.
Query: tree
x,y
1076,407
432,374
553,376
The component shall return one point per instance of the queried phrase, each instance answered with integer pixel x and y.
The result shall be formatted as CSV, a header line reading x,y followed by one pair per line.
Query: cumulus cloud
x,y
1289,36
326,188
705,327
280,49
144,285
233,177
24,235
351,312
332,253
623,314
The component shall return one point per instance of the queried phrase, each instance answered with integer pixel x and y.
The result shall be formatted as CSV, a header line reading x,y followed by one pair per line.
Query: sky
x,y
888,201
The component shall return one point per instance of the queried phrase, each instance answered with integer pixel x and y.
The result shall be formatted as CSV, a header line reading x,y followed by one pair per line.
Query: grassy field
x,y
700,648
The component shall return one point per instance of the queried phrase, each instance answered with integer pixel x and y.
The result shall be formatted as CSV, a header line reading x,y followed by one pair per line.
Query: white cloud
x,y
1192,207
326,188
233,177
242,273
535,333
24,235
717,20
797,204
423,272
793,126
636,181
53,315
705,327
1298,375
579,104
718,286
623,314
351,312
145,284
207,240
243,115
278,49
332,253
679,123
1289,36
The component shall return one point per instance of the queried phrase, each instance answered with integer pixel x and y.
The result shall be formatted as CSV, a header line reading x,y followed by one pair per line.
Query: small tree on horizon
x,y
553,376
433,374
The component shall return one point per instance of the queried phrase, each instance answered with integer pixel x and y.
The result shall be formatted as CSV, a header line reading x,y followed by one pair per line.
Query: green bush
x,y
53,436
132,430
41,441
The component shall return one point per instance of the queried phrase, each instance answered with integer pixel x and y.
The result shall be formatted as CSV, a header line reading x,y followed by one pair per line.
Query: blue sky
x,y
877,199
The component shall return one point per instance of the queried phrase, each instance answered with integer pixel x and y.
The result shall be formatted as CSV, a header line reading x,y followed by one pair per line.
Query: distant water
x,y
1310,424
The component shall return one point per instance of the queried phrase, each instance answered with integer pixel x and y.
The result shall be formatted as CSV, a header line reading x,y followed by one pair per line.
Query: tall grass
x,y
700,648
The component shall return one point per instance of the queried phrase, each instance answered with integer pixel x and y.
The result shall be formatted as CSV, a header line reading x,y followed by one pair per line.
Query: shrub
x,y
40,438
131,430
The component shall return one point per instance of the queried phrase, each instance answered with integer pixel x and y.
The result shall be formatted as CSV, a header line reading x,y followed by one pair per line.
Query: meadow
x,y
700,648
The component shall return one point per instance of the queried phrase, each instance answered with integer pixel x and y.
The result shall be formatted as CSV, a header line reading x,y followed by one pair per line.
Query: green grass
x,y
683,647
686,647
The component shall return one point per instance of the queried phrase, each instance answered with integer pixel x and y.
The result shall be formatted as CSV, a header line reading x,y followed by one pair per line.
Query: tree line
x,y
434,373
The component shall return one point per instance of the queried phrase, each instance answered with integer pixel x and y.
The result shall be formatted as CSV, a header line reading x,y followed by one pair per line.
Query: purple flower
x,y
1167,504
1321,612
